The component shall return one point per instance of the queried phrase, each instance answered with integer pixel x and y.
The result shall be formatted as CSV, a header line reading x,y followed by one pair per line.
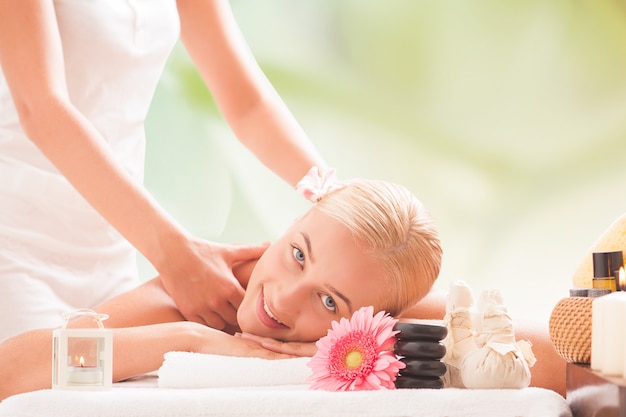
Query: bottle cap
x,y
597,292
606,263
578,292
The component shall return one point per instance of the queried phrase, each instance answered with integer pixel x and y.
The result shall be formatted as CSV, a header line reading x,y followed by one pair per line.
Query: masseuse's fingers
x,y
203,284
289,348
210,295
222,304
242,259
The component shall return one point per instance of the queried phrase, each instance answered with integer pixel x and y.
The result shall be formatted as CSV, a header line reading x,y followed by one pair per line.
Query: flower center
x,y
353,356
354,359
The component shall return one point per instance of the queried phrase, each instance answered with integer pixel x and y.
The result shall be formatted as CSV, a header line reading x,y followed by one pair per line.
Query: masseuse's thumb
x,y
249,252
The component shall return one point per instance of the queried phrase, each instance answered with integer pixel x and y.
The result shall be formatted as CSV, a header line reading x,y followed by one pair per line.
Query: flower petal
x,y
368,336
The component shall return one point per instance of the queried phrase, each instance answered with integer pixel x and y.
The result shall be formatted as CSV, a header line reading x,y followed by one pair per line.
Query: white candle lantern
x,y
82,358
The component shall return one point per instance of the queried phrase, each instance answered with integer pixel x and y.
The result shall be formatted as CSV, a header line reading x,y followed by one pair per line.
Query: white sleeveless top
x,y
56,252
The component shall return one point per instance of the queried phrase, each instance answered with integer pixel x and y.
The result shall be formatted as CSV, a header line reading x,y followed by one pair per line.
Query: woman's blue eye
x,y
298,255
329,303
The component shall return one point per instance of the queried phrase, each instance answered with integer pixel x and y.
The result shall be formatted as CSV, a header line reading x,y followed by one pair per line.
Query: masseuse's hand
x,y
199,278
288,348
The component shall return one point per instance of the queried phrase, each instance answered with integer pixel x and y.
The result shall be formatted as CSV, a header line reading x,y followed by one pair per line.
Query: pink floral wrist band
x,y
317,183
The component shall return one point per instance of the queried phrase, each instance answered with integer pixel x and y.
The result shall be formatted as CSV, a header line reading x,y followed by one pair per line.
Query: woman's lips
x,y
263,313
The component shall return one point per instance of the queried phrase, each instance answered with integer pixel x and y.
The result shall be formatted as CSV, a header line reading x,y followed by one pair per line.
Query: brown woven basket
x,y
570,329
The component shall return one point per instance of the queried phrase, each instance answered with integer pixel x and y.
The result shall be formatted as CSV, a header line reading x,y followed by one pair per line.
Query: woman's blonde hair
x,y
393,226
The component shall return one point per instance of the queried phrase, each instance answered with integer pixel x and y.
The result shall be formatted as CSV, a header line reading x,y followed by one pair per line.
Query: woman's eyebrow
x,y
336,293
307,241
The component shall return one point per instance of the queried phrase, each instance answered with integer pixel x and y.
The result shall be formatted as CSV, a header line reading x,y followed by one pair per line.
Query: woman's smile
x,y
266,316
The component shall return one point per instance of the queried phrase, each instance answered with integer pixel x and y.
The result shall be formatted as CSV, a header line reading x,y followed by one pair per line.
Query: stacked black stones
x,y
421,349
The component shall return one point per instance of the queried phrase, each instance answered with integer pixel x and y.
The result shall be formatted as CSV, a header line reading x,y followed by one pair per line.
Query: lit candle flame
x,y
622,279
82,360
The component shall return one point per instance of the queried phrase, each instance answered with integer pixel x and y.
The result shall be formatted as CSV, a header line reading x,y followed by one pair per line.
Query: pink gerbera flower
x,y
356,354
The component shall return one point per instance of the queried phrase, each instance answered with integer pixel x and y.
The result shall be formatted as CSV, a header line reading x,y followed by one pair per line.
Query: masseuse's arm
x,y
32,61
244,95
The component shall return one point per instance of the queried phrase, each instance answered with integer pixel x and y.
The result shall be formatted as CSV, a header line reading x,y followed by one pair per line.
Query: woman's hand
x,y
288,348
199,278
216,342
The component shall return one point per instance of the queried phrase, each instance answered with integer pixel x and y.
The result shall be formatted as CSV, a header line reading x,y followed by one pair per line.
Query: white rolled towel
x,y
200,370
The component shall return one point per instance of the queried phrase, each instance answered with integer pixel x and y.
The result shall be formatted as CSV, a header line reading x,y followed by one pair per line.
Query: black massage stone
x,y
419,346
420,331
415,382
422,368
420,350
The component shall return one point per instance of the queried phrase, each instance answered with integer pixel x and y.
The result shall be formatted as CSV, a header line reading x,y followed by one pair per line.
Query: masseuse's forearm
x,y
79,152
246,98
269,126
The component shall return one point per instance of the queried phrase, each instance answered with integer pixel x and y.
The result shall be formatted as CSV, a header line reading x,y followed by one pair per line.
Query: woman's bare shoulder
x,y
149,303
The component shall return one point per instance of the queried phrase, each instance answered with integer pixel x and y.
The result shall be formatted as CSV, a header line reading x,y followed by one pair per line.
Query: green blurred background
x,y
506,118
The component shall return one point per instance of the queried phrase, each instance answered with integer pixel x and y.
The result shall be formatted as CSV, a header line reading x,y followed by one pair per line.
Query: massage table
x,y
241,389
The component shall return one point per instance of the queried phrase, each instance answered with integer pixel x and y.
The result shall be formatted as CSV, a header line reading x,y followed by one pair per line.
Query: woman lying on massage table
x,y
362,243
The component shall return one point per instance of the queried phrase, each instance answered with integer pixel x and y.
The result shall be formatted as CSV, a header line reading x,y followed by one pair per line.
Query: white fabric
x,y
137,400
199,370
499,362
460,340
481,350
56,252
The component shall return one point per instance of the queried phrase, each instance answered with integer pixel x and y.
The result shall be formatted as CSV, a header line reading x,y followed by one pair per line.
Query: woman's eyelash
x,y
297,253
329,303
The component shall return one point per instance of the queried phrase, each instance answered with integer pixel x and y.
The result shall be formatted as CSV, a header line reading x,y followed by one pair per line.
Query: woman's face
x,y
313,274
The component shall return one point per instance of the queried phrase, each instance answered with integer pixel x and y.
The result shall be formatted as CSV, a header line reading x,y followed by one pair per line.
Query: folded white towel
x,y
199,370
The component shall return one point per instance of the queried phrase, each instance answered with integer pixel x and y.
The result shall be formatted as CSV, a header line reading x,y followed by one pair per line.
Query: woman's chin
x,y
247,323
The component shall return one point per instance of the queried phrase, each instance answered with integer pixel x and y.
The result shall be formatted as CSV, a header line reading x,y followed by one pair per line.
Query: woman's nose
x,y
291,297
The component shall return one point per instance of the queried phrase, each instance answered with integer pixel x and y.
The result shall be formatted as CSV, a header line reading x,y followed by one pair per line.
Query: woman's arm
x,y
549,370
431,307
32,61
146,324
250,104
26,359
144,305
